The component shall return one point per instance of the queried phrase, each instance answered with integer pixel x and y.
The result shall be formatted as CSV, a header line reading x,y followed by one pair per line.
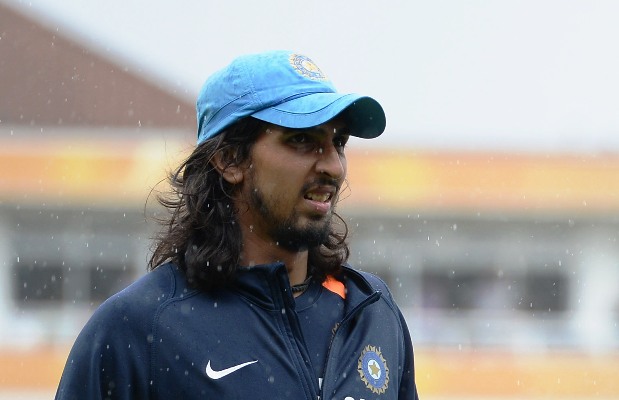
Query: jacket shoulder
x,y
377,284
113,347
374,280
144,295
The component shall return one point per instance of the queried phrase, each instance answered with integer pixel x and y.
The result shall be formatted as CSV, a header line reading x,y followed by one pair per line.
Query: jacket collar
x,y
268,287
264,285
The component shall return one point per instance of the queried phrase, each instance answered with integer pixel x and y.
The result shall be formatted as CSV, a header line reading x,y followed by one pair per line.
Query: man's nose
x,y
331,162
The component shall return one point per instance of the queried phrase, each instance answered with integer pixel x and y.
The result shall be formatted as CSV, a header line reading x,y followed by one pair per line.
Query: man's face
x,y
292,183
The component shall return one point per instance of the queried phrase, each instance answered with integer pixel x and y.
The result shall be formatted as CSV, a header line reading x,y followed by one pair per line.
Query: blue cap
x,y
285,89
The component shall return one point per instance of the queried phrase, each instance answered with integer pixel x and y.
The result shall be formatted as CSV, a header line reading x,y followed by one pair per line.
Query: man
x,y
249,295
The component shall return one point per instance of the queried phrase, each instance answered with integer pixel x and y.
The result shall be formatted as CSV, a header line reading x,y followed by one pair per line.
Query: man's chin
x,y
300,239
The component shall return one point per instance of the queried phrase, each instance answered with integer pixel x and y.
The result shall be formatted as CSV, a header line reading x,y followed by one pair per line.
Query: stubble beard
x,y
285,231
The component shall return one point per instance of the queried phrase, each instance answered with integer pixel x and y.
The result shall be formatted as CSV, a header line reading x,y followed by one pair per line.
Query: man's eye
x,y
340,141
299,138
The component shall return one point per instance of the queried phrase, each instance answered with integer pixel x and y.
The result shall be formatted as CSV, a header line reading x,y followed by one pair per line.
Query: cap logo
x,y
306,67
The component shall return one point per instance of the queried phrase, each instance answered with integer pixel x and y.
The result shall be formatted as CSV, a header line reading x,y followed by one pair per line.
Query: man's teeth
x,y
318,196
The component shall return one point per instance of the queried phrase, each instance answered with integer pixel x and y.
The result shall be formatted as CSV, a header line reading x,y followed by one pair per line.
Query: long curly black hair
x,y
200,230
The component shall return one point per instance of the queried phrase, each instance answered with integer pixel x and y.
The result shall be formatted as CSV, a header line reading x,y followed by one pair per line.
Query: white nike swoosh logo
x,y
211,373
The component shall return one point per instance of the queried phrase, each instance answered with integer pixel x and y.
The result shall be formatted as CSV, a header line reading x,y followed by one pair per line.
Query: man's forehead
x,y
336,126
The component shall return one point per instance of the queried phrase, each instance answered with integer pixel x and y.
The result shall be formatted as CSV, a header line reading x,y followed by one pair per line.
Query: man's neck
x,y
257,252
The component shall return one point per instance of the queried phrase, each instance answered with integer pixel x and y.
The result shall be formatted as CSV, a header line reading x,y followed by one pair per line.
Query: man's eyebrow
x,y
317,130
342,130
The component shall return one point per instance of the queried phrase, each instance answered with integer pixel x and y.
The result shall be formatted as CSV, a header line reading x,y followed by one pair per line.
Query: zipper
x,y
290,321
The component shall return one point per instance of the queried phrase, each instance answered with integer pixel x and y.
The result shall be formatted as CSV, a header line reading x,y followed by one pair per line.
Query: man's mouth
x,y
322,197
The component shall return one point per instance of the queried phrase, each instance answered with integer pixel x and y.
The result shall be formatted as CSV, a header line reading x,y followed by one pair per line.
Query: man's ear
x,y
224,162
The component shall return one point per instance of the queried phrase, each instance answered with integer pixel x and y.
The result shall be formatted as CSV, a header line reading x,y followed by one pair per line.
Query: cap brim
x,y
364,115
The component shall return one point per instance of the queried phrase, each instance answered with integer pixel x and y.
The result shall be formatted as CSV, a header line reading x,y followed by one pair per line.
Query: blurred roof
x,y
48,79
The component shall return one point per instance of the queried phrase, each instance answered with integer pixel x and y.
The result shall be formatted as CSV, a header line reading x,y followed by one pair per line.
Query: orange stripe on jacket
x,y
335,286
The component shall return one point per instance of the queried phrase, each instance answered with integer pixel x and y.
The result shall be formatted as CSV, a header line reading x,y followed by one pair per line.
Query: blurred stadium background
x,y
506,264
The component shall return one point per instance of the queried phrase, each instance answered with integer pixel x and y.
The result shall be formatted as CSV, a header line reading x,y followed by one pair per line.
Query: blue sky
x,y
506,75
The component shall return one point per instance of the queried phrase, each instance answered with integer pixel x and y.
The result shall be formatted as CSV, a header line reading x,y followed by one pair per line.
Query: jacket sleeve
x,y
408,387
109,359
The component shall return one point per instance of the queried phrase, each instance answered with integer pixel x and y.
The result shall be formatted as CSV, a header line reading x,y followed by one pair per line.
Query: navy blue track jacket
x,y
160,339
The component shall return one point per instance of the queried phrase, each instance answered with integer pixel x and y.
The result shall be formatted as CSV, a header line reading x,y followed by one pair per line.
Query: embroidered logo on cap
x,y
306,67
372,368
